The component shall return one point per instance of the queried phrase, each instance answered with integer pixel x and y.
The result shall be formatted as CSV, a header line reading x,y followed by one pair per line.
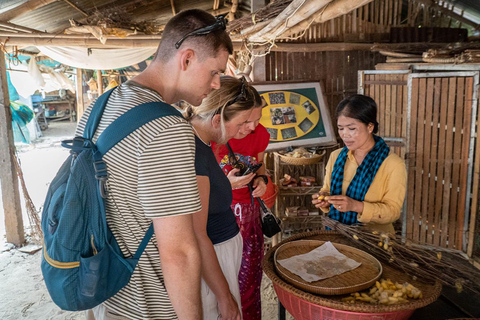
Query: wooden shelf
x,y
294,191
297,196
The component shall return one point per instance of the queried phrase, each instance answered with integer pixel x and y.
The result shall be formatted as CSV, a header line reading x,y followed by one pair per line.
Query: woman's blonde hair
x,y
234,96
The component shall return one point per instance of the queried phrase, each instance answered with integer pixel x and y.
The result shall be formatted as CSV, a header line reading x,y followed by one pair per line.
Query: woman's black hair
x,y
359,107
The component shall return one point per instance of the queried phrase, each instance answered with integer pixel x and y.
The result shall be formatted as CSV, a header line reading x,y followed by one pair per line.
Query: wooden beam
x,y
79,88
99,82
259,67
76,8
23,8
172,4
257,5
8,172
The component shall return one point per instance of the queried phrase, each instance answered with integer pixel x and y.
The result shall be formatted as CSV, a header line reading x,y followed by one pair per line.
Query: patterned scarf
x,y
361,181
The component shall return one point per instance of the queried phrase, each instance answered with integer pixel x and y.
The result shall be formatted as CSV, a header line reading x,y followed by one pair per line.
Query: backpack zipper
x,y
58,264
93,246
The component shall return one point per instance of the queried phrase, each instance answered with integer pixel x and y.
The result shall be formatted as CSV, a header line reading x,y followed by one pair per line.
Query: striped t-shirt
x,y
147,171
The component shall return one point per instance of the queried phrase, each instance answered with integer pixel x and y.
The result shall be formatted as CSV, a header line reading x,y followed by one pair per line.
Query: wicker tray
x,y
354,280
288,293
302,161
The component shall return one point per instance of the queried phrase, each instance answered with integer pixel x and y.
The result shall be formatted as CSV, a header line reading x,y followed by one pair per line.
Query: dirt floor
x,y
23,294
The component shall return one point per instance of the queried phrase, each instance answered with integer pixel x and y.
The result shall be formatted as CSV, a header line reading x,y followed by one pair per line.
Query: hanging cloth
x,y
98,59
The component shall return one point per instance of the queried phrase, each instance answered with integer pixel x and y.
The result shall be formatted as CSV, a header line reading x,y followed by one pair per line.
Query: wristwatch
x,y
264,177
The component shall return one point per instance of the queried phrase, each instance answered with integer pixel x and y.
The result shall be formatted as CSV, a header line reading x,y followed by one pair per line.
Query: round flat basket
x,y
354,280
302,161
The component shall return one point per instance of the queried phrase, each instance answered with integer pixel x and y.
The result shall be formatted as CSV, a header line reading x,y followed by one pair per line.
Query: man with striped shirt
x,y
151,173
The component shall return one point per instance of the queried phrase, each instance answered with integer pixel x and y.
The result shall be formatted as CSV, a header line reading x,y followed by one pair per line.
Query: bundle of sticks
x,y
32,212
451,267
268,12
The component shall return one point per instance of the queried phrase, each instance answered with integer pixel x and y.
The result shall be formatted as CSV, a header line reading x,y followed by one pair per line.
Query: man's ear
x,y
216,121
186,58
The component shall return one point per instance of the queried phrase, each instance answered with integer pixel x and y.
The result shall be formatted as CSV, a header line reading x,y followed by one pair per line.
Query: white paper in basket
x,y
320,263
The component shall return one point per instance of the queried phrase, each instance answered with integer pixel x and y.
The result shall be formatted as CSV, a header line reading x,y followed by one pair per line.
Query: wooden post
x,y
259,69
8,173
257,5
79,88
99,82
258,72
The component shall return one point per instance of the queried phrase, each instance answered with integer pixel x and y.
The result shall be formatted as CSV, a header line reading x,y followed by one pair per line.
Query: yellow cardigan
x,y
384,199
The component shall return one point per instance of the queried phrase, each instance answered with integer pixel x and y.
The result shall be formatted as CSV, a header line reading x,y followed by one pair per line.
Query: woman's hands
x,y
228,308
259,187
340,202
239,181
318,199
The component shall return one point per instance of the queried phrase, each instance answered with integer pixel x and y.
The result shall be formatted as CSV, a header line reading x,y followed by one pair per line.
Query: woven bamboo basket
x,y
271,195
301,161
303,305
360,278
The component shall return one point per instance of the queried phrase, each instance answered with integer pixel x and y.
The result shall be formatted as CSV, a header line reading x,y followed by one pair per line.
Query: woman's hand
x,y
228,308
344,203
259,187
239,181
318,199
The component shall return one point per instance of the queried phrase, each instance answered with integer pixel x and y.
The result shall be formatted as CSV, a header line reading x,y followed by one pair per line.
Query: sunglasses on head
x,y
242,96
220,24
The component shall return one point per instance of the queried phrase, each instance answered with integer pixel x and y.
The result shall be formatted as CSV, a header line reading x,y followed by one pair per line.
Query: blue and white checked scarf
x,y
361,181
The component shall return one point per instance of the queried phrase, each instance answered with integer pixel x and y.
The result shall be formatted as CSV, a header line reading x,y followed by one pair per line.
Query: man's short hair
x,y
185,22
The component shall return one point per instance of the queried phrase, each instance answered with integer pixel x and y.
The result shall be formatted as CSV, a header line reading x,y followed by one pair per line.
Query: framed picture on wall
x,y
295,114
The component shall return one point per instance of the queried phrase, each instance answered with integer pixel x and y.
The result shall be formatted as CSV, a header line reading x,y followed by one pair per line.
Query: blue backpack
x,y
82,264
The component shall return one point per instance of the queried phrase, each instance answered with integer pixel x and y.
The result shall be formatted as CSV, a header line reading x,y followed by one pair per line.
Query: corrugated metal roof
x,y
54,17
471,9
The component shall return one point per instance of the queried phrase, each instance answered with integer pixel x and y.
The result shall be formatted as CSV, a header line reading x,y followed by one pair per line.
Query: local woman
x,y
364,181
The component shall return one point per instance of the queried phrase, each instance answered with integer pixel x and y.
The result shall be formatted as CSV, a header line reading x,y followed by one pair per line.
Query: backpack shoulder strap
x,y
121,128
96,115
131,121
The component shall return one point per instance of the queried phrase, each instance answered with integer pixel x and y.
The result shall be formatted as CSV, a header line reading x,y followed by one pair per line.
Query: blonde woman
x,y
219,119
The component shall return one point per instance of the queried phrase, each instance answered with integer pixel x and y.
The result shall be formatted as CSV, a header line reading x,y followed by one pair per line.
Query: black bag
x,y
271,225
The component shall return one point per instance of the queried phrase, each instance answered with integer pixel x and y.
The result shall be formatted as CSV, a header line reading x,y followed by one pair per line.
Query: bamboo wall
x,y
336,70
373,22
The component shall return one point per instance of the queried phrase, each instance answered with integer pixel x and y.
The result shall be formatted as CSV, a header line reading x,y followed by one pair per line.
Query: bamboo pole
x,y
253,28
331,11
17,28
89,43
74,36
233,10
23,8
172,4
